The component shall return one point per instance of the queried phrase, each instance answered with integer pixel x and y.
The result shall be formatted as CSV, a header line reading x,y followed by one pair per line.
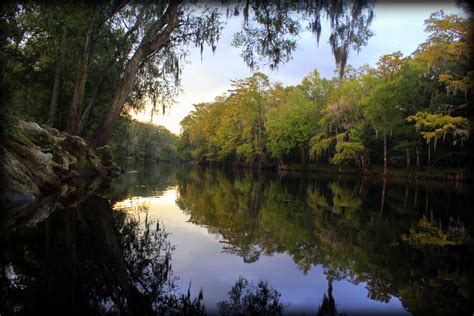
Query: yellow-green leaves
x,y
434,126
347,151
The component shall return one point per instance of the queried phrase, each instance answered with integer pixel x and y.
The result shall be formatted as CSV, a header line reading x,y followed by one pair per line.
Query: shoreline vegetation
x,y
442,174
411,113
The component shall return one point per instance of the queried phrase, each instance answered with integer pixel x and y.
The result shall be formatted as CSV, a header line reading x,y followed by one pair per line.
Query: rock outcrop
x,y
39,159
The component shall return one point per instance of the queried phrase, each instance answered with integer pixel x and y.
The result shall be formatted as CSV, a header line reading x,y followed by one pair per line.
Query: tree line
x,y
139,140
79,66
408,111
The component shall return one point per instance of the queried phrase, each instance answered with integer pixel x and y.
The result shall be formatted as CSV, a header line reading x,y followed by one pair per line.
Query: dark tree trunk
x,y
382,202
57,80
408,159
54,95
87,111
113,59
151,43
417,158
364,168
429,156
415,200
405,199
80,87
385,154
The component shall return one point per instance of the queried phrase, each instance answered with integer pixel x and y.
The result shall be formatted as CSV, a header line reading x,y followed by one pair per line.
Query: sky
x,y
396,27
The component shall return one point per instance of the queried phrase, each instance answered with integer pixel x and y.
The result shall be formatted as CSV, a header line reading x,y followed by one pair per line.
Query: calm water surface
x,y
384,248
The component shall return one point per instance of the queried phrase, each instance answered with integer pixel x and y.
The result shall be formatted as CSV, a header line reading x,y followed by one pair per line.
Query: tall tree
x,y
272,42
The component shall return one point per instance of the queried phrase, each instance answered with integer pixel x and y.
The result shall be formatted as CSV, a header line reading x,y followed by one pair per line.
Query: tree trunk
x,y
80,87
417,158
385,154
382,202
408,159
366,159
87,111
150,44
415,200
364,165
113,59
405,199
302,154
259,138
429,156
57,80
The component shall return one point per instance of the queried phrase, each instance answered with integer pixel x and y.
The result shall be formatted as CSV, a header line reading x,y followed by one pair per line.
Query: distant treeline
x,y
143,141
408,111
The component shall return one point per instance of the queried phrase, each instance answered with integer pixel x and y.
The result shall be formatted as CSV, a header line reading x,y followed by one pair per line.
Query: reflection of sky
x,y
198,259
396,27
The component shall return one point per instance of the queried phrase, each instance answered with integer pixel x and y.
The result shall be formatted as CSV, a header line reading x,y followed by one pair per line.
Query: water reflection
x,y
86,258
73,253
412,241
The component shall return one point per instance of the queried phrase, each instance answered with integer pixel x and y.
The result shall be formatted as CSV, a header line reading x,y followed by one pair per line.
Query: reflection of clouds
x,y
133,202
168,197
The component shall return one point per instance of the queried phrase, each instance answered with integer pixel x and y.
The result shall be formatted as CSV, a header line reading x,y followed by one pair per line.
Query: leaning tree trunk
x,y
85,115
80,87
150,44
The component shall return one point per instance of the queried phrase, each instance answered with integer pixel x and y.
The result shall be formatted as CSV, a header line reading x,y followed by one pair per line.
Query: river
x,y
366,246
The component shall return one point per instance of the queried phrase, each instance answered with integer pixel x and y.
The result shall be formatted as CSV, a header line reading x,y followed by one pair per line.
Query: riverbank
x,y
38,160
440,174
437,174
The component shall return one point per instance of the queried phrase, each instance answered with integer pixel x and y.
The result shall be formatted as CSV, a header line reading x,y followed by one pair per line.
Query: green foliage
x,y
232,127
434,126
341,120
143,141
290,123
347,151
80,66
256,122
447,54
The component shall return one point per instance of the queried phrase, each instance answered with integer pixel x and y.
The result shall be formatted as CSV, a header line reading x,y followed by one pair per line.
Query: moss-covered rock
x,y
37,159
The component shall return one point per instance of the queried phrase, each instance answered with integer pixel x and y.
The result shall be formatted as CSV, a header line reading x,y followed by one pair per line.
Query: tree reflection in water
x,y
413,241
88,259
328,305
406,240
245,298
